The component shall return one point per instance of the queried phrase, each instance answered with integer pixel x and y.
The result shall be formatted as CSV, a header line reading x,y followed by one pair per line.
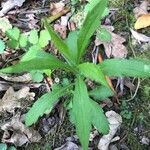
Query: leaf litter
x,y
13,99
114,48
15,132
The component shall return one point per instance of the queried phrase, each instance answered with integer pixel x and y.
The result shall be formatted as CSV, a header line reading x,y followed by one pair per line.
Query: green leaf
x,y
103,35
101,93
37,75
47,72
93,72
81,112
3,146
59,43
90,25
33,37
99,120
71,41
36,59
91,4
44,103
13,34
44,38
12,44
23,40
11,148
5,24
2,46
124,67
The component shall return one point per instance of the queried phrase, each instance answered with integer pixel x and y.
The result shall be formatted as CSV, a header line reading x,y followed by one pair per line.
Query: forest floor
x,y
55,128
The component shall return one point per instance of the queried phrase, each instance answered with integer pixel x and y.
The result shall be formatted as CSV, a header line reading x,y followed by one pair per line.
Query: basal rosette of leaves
x,y
85,112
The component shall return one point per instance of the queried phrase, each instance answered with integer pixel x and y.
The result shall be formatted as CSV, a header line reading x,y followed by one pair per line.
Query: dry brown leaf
x,y
56,7
142,9
142,22
17,133
61,29
139,36
114,48
25,78
115,121
12,99
10,4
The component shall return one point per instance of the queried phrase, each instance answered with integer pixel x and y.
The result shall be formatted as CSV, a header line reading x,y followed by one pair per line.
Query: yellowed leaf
x,y
142,22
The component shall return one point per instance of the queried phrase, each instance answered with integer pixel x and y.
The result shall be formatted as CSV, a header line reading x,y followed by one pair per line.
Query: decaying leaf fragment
x,y
12,99
68,146
115,121
56,7
115,47
142,9
25,78
10,4
17,133
139,36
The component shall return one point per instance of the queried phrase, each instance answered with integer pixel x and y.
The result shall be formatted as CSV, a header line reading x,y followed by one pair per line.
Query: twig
x,y
135,93
24,11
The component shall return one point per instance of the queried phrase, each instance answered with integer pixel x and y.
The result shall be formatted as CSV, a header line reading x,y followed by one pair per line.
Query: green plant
x,y
27,41
84,111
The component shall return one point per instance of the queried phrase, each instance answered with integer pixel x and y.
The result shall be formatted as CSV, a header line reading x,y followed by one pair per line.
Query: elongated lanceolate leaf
x,y
59,43
93,72
123,67
90,24
99,120
101,93
81,112
36,60
71,41
43,104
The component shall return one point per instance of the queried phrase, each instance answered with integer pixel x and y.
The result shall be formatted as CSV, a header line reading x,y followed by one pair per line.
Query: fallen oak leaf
x,y
142,22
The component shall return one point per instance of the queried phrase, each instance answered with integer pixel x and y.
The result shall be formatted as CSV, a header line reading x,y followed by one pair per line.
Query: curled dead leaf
x,y
142,22
115,121
17,133
12,99
139,36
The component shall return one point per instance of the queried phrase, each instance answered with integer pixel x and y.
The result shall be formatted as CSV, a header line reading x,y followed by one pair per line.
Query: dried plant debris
x,y
68,146
13,99
25,78
115,47
56,7
115,121
142,9
139,36
17,133
10,4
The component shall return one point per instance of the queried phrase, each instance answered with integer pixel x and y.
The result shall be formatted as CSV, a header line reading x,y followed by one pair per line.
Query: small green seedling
x,y
85,112
27,41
